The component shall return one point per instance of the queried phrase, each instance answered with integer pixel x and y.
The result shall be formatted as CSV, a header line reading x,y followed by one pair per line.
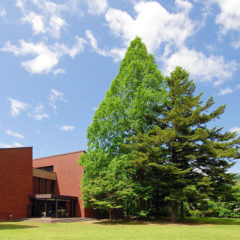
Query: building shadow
x,y
14,226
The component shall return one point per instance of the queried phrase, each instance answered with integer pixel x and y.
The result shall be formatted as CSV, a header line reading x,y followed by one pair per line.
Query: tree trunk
x,y
182,213
157,204
127,210
174,212
110,213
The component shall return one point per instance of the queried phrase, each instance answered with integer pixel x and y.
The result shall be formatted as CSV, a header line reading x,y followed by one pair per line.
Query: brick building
x,y
47,186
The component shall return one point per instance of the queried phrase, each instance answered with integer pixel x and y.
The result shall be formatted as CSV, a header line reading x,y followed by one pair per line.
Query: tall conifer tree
x,y
182,156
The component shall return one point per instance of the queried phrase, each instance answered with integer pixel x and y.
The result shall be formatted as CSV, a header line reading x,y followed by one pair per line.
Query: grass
x,y
189,229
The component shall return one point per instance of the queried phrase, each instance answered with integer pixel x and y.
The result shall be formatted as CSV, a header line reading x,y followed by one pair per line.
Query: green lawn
x,y
192,229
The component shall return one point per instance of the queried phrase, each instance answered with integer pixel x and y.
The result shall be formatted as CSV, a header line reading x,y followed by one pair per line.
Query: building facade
x,y
47,186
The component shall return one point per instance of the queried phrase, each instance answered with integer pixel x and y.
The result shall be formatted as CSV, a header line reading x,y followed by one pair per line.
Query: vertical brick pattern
x,y
69,174
42,187
15,182
35,185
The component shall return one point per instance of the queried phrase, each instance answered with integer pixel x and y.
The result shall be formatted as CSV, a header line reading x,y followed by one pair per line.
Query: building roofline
x,y
14,148
60,155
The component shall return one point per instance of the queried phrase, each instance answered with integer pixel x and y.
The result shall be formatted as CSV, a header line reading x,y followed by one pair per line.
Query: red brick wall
x,y
68,173
15,182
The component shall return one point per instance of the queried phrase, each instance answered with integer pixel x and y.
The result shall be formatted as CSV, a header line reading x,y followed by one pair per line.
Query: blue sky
x,y
58,58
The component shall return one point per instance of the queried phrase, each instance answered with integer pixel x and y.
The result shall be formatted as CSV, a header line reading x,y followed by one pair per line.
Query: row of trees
x,y
150,144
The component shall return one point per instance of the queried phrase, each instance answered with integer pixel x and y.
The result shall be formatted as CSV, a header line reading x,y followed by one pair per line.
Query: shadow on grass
x,y
164,221
213,221
14,226
121,222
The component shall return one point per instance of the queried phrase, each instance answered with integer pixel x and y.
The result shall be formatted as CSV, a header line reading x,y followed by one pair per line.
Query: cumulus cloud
x,y
49,20
14,134
56,24
67,128
39,113
212,68
71,51
17,106
3,12
235,129
153,23
116,53
236,44
36,21
55,96
97,6
229,17
58,71
225,91
45,58
166,31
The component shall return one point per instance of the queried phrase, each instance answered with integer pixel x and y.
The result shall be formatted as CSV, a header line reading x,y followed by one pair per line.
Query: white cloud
x,y
55,96
71,51
225,91
153,23
17,144
67,128
238,86
17,106
92,40
45,57
14,134
44,60
56,24
161,29
49,20
97,6
235,129
229,17
36,21
116,53
236,44
5,145
200,66
40,116
58,71
39,113
3,12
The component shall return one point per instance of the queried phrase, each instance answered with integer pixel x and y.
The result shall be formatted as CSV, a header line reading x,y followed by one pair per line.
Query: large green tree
x,y
182,156
124,112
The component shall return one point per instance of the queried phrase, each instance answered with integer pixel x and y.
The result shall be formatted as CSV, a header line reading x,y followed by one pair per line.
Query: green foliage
x,y
148,147
124,112
181,157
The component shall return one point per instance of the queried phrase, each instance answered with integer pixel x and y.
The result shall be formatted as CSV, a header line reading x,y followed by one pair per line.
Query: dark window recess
x,y
52,187
46,186
47,168
39,185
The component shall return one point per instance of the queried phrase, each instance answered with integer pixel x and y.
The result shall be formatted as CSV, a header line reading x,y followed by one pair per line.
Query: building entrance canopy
x,y
53,205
